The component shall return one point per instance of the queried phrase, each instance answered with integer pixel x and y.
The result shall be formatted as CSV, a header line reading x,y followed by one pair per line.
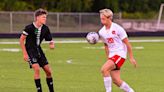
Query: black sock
x,y
38,85
50,84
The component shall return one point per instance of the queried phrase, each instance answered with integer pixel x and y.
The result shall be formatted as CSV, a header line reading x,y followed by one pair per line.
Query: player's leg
x,y
48,71
115,74
49,78
44,64
33,62
105,70
36,69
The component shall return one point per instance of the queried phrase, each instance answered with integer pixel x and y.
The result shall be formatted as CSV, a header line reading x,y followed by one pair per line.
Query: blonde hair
x,y
107,12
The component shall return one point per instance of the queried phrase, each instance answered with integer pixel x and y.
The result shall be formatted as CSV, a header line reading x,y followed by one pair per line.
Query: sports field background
x,y
76,66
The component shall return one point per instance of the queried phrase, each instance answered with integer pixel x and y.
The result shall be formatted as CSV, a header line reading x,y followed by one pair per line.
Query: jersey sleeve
x,y
26,31
48,36
122,33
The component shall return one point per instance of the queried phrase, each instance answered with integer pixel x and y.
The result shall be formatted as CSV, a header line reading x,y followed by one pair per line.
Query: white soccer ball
x,y
92,37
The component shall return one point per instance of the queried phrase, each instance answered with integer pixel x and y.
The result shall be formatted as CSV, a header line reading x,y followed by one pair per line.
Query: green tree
x,y
12,5
100,4
69,5
132,8
97,5
86,5
112,4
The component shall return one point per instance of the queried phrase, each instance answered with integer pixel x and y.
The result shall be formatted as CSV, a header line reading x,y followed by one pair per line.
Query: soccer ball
x,y
92,37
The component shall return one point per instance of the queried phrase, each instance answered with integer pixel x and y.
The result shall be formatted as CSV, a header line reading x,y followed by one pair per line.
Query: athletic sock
x,y
124,86
38,85
50,84
108,84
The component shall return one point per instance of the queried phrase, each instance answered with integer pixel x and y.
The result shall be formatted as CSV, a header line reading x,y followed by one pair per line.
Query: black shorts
x,y
36,56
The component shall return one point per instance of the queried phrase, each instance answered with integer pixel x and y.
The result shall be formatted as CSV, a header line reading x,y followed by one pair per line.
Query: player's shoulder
x,y
45,27
29,26
117,26
101,30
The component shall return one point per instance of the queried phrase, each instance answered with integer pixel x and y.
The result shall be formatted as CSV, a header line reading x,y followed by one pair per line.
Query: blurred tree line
x,y
129,8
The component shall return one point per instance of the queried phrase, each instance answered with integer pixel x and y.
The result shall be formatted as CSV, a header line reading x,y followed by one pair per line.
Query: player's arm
x,y
48,37
25,55
106,50
51,44
130,52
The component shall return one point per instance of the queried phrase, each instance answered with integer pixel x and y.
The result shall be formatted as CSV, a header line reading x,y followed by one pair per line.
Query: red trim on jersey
x,y
118,60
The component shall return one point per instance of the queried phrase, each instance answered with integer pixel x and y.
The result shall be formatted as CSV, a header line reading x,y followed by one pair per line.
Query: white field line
x,y
102,47
147,40
84,41
68,61
138,47
10,49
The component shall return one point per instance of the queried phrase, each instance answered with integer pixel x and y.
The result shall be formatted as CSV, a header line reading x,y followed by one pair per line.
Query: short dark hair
x,y
40,11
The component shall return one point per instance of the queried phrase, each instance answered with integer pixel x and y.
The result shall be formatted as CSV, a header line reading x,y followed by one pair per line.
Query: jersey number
x,y
110,40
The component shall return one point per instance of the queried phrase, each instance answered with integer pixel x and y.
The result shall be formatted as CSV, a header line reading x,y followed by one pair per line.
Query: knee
x,y
116,81
104,71
36,69
36,73
49,73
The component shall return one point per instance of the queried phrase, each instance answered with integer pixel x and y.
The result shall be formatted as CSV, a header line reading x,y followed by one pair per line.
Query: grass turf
x,y
76,68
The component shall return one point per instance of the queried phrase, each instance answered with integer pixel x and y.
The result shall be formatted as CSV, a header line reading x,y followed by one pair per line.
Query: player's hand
x,y
51,45
26,58
133,62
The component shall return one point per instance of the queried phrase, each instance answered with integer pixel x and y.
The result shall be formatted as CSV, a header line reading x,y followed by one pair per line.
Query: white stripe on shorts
x,y
118,60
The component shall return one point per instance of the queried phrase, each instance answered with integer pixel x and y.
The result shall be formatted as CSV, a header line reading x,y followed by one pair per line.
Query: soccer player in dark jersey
x,y
33,35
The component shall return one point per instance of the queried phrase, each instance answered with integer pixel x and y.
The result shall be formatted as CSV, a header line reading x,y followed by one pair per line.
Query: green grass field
x,y
76,67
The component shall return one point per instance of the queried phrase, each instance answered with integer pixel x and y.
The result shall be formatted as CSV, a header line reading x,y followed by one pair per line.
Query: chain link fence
x,y
14,22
